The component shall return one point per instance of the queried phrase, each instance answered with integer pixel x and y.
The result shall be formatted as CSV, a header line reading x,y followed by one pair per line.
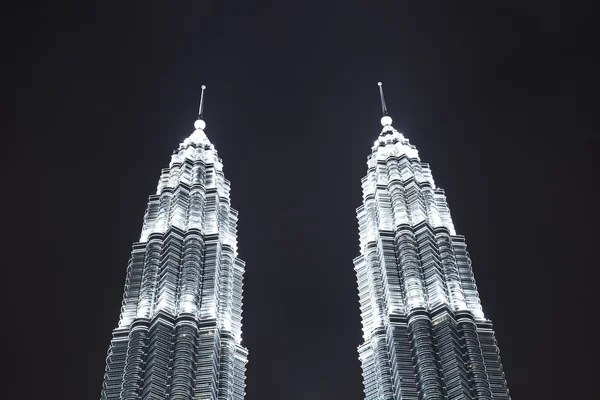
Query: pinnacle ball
x,y
199,124
386,120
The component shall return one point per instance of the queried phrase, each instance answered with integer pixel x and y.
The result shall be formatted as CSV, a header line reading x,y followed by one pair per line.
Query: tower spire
x,y
201,108
383,107
386,120
200,124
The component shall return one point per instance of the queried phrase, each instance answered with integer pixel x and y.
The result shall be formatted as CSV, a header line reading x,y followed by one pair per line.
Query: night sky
x,y
499,99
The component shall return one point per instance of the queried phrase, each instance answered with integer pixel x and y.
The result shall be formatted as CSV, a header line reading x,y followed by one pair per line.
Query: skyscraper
x,y
425,334
179,333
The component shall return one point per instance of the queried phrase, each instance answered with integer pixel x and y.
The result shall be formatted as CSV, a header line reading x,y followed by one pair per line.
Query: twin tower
x,y
179,332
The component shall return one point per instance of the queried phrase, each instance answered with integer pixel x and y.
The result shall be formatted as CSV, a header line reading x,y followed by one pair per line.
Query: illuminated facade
x,y
179,332
425,334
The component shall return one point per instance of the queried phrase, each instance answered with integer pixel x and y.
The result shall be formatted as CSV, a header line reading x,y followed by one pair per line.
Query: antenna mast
x,y
383,107
201,108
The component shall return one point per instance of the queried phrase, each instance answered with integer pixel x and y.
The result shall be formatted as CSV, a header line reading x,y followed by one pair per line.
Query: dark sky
x,y
499,99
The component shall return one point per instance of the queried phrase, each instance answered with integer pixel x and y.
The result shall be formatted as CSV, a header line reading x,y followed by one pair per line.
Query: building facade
x,y
179,332
425,334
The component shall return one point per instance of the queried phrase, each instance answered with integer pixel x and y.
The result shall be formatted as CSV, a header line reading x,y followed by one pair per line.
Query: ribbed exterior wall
x,y
425,335
179,333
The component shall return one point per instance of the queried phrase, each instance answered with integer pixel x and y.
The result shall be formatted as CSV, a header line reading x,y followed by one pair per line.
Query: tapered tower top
x,y
386,120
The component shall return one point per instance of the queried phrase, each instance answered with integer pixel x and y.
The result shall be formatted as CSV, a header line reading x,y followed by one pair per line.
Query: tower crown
x,y
425,334
179,334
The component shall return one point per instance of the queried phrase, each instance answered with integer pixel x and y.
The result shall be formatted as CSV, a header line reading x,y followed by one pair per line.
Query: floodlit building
x,y
425,333
179,332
